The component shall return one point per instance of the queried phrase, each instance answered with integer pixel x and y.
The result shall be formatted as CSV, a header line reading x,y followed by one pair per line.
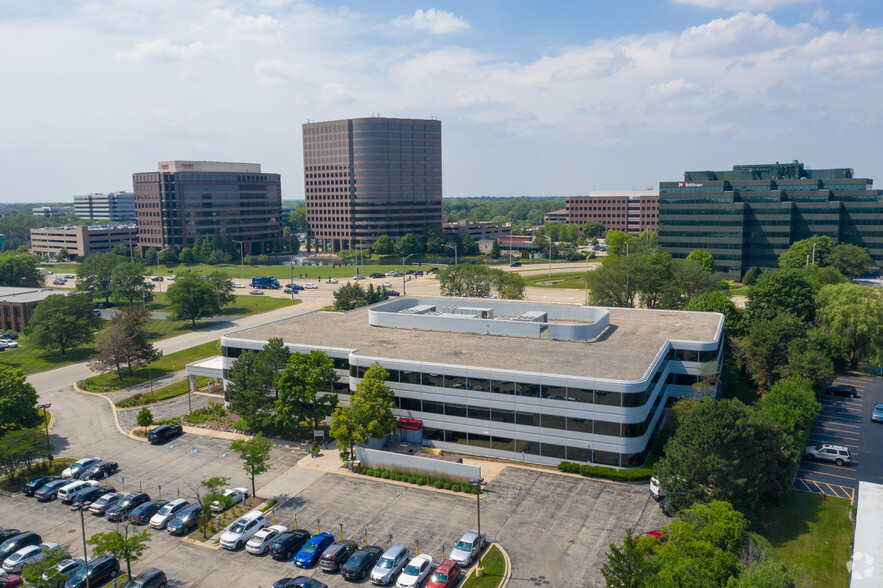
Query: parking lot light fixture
x,y
85,550
48,442
404,259
477,484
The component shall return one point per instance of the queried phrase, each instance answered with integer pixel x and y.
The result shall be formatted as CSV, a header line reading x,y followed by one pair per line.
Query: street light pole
x,y
291,281
587,279
241,260
454,245
48,442
477,484
85,551
404,259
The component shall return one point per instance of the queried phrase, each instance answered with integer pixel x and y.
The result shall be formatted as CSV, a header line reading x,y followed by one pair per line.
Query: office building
x,y
367,177
113,206
556,216
477,229
749,216
83,240
17,305
183,200
542,382
49,211
629,211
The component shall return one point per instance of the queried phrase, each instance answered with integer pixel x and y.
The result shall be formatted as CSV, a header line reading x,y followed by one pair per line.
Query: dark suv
x,y
101,570
21,540
163,433
121,509
336,554
151,578
186,521
841,390
102,469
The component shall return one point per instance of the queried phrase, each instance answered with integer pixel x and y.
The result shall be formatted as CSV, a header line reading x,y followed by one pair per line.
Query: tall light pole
x,y
85,551
454,245
404,259
241,260
48,442
478,483
587,279
291,265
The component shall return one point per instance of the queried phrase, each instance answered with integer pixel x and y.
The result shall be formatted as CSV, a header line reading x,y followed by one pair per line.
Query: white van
x,y
66,493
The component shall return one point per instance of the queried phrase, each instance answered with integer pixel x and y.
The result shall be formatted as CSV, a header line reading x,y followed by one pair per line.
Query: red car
x,y
445,576
9,580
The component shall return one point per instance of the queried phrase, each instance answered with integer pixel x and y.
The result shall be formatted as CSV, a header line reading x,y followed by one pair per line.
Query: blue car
x,y
312,550
877,414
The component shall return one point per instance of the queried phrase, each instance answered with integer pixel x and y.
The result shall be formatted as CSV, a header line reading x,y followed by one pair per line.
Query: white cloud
x,y
742,4
820,15
672,88
741,33
163,50
435,21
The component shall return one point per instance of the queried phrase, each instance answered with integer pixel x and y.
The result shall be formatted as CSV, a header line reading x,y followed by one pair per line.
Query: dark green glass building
x,y
749,216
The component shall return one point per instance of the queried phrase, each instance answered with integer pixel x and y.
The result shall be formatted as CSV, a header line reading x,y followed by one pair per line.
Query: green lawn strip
x,y
575,280
812,536
164,393
241,307
494,569
283,272
40,469
167,364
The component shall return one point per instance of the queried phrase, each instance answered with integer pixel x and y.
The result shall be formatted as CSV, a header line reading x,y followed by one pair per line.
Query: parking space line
x,y
853,453
833,428
827,474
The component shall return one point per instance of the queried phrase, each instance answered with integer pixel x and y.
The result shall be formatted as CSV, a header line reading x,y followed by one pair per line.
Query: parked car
x,y
468,547
99,470
330,281
20,541
236,495
85,498
389,565
186,520
9,335
257,292
299,582
312,550
78,466
152,578
27,555
168,512
50,491
10,580
655,490
376,275
100,506
415,572
877,413
163,433
360,563
33,485
285,545
828,452
392,274
311,286
8,534
446,575
142,513
242,530
360,277
105,305
126,504
65,569
101,570
67,492
336,554
385,285
392,293
841,390
260,542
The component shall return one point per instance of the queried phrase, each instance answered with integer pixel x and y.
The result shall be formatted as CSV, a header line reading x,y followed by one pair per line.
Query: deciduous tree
x,y
628,565
305,391
720,301
704,259
191,298
383,246
812,251
345,428
593,229
209,491
255,456
250,383
619,243
42,573
145,418
121,543
62,321
855,313
850,260
127,281
21,448
18,401
408,245
793,406
19,270
777,292
95,274
372,403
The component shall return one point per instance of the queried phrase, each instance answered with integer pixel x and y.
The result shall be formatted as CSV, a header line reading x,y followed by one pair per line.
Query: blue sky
x,y
550,98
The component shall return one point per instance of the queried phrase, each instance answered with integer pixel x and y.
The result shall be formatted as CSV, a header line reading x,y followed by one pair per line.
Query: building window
x,y
606,458
410,377
433,434
455,437
605,398
503,416
478,412
580,395
579,425
412,404
433,407
555,392
457,410
551,421
579,454
552,450
477,440
606,428
502,443
527,447
527,418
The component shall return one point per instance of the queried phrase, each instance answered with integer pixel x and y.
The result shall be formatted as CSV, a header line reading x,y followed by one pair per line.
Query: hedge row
x,y
419,479
605,472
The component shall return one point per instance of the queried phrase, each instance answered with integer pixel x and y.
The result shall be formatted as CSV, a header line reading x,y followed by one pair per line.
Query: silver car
x,y
468,548
167,513
389,565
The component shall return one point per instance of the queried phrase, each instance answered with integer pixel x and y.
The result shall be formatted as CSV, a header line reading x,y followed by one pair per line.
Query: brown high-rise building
x,y
366,177
186,199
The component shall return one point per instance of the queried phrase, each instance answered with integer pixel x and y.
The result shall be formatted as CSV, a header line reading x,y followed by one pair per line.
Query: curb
x,y
507,573
113,410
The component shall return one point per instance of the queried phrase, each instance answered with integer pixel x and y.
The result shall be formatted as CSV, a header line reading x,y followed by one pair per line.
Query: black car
x,y
17,542
85,498
515,264
337,553
32,486
8,534
101,570
142,513
392,292
376,275
121,509
152,578
99,470
105,305
360,564
163,433
186,521
287,544
10,335
842,390
299,582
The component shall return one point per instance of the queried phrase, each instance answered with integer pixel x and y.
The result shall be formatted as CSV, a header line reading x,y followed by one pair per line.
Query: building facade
x,y
367,177
183,200
17,305
749,216
113,206
542,382
49,211
556,216
83,240
629,211
477,229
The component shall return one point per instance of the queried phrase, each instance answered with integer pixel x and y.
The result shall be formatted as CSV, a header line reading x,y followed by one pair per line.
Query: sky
x,y
535,98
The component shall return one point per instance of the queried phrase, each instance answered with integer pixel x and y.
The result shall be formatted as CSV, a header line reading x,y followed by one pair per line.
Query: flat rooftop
x,y
13,294
624,351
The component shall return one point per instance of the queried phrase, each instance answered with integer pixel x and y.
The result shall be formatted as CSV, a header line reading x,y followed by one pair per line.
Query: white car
x,y
79,466
260,543
236,495
167,513
66,568
311,286
30,554
242,530
11,344
655,490
330,281
414,573
238,285
385,285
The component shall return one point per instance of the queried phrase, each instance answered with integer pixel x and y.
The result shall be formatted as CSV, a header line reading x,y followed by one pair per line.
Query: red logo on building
x,y
186,165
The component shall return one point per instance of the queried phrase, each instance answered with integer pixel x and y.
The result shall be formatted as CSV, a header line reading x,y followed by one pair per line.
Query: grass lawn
x,y
169,391
41,469
575,280
812,536
283,272
167,364
494,569
241,307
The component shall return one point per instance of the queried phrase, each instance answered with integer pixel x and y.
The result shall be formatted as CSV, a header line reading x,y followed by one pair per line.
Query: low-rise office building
x,y
114,206
556,216
17,305
629,211
83,240
542,382
477,229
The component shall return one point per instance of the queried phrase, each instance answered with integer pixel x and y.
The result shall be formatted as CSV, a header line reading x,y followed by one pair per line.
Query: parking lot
x,y
846,421
555,528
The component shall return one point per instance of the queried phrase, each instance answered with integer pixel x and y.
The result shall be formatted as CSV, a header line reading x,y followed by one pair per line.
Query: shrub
x,y
412,479
368,472
376,473
421,481
569,467
439,484
455,487
584,470
447,484
385,475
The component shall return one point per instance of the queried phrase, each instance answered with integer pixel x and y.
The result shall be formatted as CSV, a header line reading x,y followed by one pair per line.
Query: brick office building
x,y
629,211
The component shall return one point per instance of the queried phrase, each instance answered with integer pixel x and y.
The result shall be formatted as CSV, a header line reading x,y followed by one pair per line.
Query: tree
x,y
369,413
614,282
297,218
850,260
120,544
495,250
765,349
186,256
724,450
191,298
61,255
18,401
593,229
812,251
167,256
434,239
750,277
628,566
124,342
62,321
42,573
720,301
145,418
255,456
781,291
305,390
855,313
480,280
223,286
704,259
207,492
383,245
22,448
95,274
250,383
619,243
127,281
408,245
19,270
793,406
540,243
110,350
